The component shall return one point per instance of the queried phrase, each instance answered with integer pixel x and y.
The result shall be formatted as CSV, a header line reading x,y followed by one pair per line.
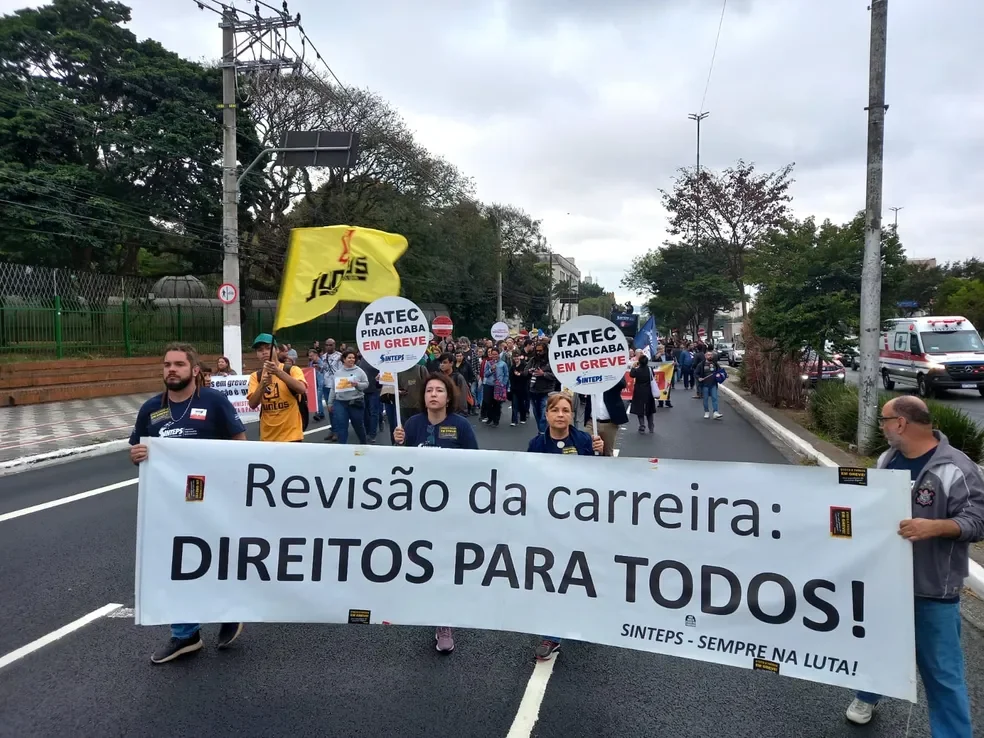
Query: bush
x,y
833,410
769,374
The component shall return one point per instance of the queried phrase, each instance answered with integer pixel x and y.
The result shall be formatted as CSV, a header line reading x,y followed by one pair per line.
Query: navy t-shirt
x,y
452,432
577,442
207,414
913,466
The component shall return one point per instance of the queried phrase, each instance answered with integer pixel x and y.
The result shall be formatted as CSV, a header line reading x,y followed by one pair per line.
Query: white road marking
x,y
93,492
65,500
47,640
529,707
122,612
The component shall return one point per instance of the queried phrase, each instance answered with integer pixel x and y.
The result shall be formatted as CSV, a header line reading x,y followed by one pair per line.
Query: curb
x,y
51,458
975,577
63,455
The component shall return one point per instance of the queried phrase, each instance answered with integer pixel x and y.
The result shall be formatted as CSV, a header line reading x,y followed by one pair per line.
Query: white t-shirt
x,y
601,412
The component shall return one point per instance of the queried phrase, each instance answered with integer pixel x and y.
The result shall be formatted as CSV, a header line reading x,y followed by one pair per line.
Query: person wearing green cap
x,y
275,390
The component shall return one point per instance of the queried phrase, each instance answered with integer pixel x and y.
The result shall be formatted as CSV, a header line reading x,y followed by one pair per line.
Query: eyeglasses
x,y
883,418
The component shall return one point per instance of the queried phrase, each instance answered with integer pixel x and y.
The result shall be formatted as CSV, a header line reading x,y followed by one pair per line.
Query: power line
x,y
710,69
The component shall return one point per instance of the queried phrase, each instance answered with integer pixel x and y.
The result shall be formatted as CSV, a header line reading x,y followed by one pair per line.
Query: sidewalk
x,y
28,430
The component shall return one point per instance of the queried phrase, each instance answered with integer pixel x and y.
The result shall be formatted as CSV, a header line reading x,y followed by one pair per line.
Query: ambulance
x,y
932,353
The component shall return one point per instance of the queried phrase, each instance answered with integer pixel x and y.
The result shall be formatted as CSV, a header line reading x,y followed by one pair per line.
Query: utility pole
x,y
896,211
232,334
871,270
260,34
698,117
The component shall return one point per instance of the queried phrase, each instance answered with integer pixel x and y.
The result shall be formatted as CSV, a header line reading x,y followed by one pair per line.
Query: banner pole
x,y
594,416
396,400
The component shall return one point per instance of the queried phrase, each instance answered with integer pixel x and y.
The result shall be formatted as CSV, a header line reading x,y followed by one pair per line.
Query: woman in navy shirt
x,y
438,426
562,438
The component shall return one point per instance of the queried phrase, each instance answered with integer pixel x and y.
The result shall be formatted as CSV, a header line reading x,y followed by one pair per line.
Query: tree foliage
x,y
809,279
109,146
688,285
731,211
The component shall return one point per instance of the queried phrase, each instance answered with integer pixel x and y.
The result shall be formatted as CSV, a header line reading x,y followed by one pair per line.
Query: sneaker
x,y
642,429
176,648
445,640
228,633
859,712
546,650
718,416
706,416
669,404
522,422
512,425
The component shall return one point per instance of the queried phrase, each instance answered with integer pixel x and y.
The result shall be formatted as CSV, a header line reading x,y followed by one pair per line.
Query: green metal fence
x,y
54,314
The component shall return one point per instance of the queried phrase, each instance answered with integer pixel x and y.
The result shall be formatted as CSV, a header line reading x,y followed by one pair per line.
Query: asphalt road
x,y
970,401
61,563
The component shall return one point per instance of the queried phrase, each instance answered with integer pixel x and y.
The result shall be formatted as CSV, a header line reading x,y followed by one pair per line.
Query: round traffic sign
x,y
442,326
228,293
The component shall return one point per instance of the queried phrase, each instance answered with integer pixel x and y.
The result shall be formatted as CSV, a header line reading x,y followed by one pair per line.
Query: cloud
x,y
576,110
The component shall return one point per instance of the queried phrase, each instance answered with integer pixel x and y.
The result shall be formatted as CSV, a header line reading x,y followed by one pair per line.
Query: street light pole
x,y
698,117
896,211
871,269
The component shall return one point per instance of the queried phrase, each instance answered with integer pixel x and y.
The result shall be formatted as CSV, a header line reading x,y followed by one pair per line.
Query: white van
x,y
932,352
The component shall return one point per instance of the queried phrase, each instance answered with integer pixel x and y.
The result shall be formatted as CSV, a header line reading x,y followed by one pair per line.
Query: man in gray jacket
x,y
947,515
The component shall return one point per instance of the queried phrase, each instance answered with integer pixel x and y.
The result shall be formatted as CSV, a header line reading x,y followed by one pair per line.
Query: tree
x,y
809,279
110,145
688,285
733,212
966,299
918,285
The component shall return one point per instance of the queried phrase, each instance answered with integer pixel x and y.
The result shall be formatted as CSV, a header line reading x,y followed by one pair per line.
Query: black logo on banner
x,y
358,617
328,283
195,489
840,522
852,475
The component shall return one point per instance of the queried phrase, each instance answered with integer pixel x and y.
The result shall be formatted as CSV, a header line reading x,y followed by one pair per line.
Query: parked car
x,y
816,370
737,356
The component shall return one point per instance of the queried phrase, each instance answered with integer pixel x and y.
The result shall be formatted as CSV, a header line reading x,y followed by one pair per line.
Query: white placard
x,y
392,334
500,331
235,387
786,570
589,354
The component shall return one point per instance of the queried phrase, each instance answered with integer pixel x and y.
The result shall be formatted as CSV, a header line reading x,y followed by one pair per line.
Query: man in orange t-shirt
x,y
274,390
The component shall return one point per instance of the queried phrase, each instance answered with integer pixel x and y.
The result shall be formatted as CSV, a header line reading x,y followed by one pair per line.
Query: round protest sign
x,y
589,354
392,334
500,331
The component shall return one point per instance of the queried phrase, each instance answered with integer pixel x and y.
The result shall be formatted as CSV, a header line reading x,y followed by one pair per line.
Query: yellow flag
x,y
334,263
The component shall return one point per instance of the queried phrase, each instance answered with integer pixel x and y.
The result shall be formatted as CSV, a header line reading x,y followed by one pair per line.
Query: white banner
x,y
235,388
788,569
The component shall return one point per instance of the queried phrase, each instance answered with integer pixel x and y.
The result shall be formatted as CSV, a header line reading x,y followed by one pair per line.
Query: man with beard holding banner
x,y
561,438
440,427
186,409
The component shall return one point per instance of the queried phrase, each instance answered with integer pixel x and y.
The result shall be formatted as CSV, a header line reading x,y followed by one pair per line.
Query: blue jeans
x,y
374,409
939,658
538,403
710,390
345,413
321,399
183,631
325,395
476,394
688,376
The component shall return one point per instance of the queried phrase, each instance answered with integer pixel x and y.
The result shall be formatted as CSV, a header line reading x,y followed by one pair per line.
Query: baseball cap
x,y
263,338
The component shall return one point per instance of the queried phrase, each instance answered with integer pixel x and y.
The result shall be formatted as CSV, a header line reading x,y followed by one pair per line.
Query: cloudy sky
x,y
576,110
